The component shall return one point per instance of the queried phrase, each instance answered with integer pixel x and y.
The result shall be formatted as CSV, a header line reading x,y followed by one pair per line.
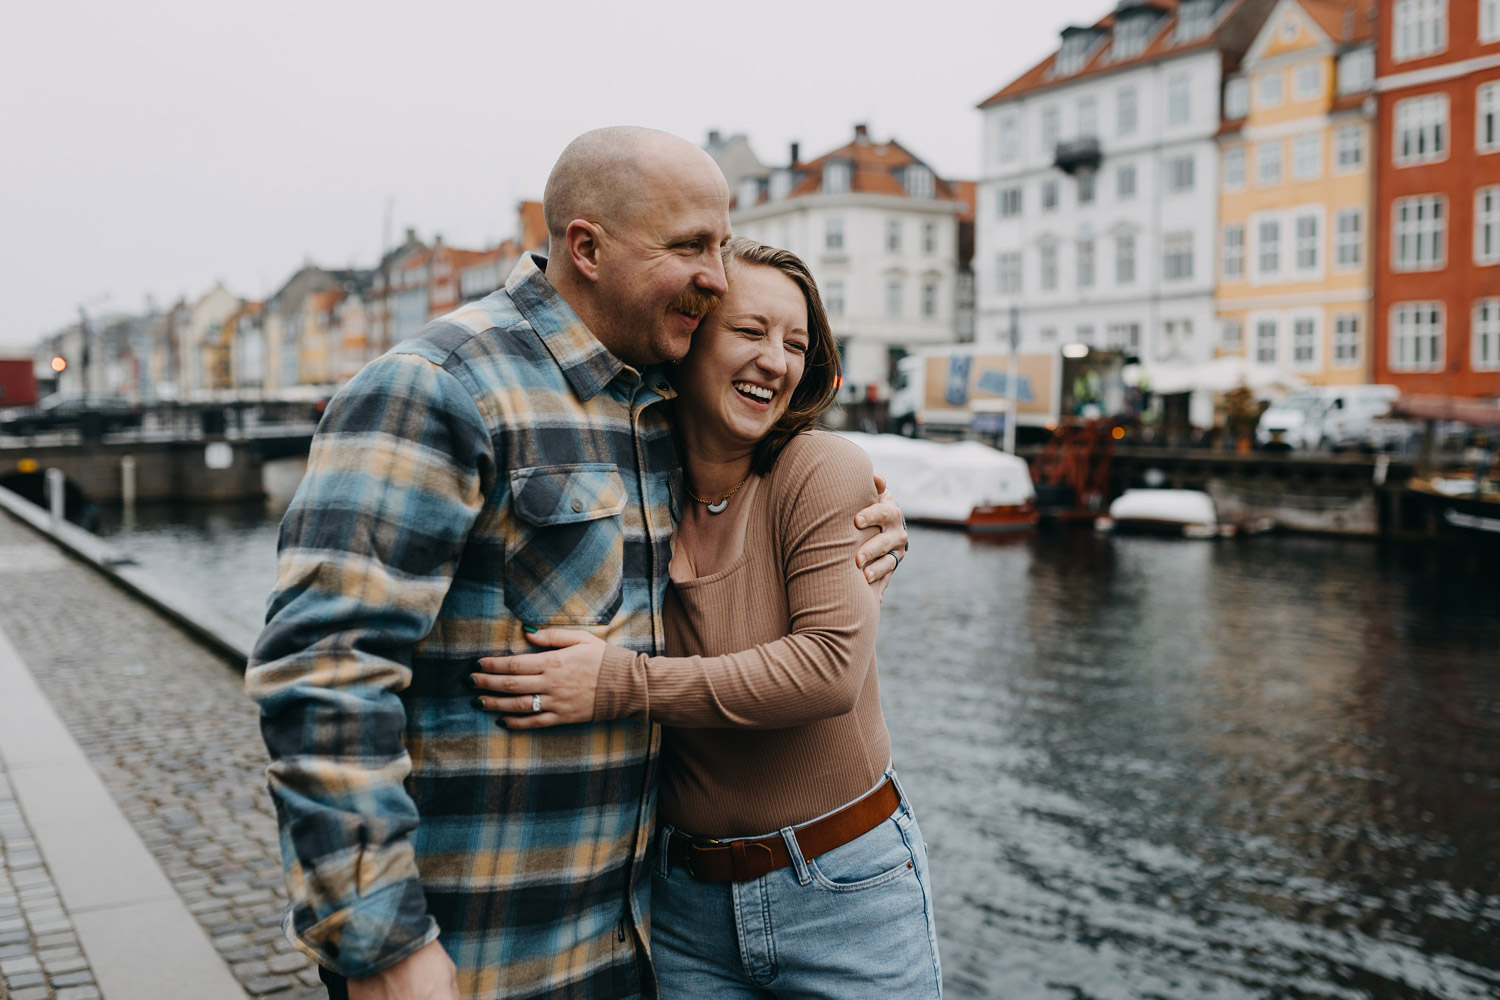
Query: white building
x,y
1098,198
881,233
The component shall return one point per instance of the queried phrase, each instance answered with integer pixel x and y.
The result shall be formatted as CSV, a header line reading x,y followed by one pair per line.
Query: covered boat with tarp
x,y
961,484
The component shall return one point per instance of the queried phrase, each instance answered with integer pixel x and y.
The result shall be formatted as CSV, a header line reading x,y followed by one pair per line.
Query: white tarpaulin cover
x,y
945,482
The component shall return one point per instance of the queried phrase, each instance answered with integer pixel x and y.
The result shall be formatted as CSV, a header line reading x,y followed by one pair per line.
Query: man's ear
x,y
583,248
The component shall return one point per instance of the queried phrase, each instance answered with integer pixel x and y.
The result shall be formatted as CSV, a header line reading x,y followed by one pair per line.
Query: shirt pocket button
x,y
577,505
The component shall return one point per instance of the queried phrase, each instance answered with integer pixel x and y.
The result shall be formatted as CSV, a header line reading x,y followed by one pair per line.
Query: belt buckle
x,y
696,844
746,860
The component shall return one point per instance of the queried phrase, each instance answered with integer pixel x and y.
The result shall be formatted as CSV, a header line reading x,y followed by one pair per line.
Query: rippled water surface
x,y
1266,768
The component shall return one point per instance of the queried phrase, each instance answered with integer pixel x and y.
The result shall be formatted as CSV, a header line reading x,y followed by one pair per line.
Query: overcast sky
x,y
154,147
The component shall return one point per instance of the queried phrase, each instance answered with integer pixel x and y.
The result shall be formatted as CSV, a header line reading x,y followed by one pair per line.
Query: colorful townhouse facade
x,y
1295,190
1437,188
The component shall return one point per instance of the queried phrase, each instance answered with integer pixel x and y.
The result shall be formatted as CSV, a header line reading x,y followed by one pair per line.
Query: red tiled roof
x,y
533,225
874,169
1347,22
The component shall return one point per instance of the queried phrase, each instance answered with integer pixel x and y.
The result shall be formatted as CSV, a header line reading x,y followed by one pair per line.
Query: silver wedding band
x,y
536,703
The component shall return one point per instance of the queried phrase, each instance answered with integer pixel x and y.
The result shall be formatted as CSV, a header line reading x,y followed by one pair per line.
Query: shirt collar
x,y
587,364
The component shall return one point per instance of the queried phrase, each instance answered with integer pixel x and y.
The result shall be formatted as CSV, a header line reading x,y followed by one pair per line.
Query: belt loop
x,y
663,852
890,772
795,850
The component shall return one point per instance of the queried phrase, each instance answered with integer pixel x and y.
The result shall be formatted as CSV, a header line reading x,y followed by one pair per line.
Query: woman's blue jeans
x,y
854,922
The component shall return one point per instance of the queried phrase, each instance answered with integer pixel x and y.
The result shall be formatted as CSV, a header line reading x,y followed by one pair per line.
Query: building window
x,y
1268,248
1088,116
1234,252
833,234
1047,334
1126,111
1304,342
1236,98
1421,129
833,297
893,235
1008,273
1307,81
919,181
893,299
1485,335
1487,226
1417,337
1349,146
1124,337
1048,267
1179,99
1125,181
1175,333
1349,238
1234,169
1268,163
1177,256
836,177
1487,117
1131,36
1356,71
1489,20
1086,187
1231,335
1051,129
1074,53
1420,28
1194,19
929,237
1307,243
1084,334
929,299
1307,156
1124,260
1346,340
1008,143
1268,89
1421,233
1009,203
1265,342
1049,195
1179,174
1085,263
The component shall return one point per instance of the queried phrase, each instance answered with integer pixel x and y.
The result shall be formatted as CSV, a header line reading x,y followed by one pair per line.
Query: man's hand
x,y
426,974
880,555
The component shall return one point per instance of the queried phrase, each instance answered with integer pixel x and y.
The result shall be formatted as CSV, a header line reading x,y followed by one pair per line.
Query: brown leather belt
x,y
742,860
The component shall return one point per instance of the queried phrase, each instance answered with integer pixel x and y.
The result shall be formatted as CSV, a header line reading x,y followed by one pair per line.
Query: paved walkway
x,y
161,727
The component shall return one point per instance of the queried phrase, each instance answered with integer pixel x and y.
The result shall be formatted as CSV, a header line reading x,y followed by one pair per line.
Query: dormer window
x,y
1132,33
749,192
1236,98
836,177
1194,20
1077,44
1356,70
781,184
918,181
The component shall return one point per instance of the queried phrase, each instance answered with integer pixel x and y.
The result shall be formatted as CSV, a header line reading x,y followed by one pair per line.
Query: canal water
x,y
1264,768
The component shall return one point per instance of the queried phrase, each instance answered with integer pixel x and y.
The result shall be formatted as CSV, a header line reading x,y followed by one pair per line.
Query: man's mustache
x,y
695,303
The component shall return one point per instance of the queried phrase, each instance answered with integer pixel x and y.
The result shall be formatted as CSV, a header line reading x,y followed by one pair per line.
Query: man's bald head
x,y
603,174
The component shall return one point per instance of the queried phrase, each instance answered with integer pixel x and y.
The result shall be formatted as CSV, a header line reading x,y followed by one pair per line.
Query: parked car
x,y
1333,417
55,413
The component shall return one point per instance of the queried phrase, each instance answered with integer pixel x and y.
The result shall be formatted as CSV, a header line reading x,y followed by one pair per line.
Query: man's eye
x,y
749,331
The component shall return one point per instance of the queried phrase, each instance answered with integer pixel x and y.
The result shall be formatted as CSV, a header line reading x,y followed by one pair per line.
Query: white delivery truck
x,y
1329,418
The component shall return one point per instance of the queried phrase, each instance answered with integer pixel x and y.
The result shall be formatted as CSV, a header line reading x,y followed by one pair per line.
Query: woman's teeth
x,y
754,391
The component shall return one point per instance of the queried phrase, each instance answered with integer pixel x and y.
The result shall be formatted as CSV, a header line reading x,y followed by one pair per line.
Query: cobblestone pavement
x,y
39,954
174,738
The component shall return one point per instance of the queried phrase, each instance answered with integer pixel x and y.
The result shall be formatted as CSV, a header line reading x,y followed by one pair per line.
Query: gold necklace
x,y
718,508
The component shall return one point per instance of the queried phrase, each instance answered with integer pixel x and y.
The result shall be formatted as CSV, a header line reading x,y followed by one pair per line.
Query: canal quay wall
x,y
112,471
139,855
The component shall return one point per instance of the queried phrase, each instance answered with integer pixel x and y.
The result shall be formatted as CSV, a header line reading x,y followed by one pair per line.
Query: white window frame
x,y
1349,146
893,235
1008,139
1179,99
836,176
1418,28
1484,335
1270,88
1262,177
1088,117
1266,339
1008,202
1124,191
1261,226
929,299
1487,226
1419,132
1047,267
1125,271
1356,71
1310,325
1131,36
1307,246
895,290
833,297
1232,252
1050,123
833,234
1489,21
1234,169
1349,240
1307,81
1236,97
1307,156
1049,195
929,237
1417,328
1008,273
1127,110
1180,172
1235,343
1085,265
1487,117
1419,241
1347,342
1177,256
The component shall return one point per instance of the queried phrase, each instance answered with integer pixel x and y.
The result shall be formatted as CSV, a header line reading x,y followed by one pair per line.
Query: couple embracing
x,y
568,679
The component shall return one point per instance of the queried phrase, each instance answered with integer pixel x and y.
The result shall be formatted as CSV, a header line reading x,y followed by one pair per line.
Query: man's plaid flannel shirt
x,y
502,469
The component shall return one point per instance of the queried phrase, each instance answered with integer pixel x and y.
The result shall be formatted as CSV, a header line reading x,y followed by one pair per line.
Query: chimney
x,y
862,133
411,234
796,153
713,137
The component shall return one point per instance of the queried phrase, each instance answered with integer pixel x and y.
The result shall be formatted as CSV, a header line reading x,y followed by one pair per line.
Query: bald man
x,y
510,468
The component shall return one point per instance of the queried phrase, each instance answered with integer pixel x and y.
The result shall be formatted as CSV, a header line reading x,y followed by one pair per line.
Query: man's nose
x,y
711,277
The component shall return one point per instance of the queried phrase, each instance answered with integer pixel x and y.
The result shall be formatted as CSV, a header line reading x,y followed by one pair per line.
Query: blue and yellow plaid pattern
x,y
500,470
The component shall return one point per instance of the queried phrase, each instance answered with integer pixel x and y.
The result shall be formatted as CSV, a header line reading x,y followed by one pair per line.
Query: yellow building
x,y
1295,229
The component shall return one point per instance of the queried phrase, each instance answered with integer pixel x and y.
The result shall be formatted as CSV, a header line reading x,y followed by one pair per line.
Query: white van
x,y
1332,417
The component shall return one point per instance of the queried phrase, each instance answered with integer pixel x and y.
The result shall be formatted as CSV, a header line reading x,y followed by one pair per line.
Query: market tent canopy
x,y
1219,375
1469,411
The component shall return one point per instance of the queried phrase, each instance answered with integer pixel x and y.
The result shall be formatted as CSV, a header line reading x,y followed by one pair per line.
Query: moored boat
x,y
963,484
1185,513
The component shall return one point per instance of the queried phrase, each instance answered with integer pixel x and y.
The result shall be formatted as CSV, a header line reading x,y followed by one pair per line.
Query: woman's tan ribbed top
x,y
769,699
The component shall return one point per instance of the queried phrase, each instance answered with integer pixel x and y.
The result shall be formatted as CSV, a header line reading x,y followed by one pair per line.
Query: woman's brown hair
x,y
820,369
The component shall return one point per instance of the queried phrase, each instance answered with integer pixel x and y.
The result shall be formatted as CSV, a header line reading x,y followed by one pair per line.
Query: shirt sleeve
x,y
818,669
367,552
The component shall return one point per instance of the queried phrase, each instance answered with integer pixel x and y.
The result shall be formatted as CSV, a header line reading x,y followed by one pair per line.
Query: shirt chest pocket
x,y
565,560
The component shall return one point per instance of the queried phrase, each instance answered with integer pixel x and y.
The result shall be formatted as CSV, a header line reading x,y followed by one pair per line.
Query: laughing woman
x,y
789,863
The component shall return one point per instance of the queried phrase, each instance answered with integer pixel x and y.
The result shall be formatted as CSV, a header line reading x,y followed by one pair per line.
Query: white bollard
x,y
127,489
55,495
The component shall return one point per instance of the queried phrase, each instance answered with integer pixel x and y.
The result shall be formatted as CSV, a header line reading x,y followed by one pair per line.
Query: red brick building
x,y
1437,196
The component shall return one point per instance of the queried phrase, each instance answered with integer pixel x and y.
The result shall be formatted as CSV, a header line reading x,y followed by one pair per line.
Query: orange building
x,y
1437,196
